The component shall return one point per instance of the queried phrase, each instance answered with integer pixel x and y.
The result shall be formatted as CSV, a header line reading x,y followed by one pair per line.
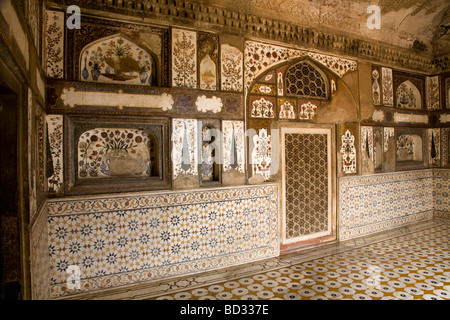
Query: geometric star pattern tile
x,y
412,266
123,240
375,203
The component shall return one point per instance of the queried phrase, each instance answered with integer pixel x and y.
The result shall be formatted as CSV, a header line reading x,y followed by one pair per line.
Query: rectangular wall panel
x,y
374,203
126,239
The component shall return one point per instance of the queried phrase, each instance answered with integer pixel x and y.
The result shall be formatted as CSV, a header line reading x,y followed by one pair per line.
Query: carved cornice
x,y
206,16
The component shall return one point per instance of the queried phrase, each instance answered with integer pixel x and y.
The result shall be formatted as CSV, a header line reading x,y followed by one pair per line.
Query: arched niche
x,y
408,96
268,96
117,59
116,152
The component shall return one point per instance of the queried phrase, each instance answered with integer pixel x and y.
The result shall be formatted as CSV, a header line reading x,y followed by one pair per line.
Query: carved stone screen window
x,y
306,80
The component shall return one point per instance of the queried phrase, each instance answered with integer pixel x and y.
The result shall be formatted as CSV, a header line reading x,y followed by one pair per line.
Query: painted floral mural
x,y
408,96
184,58
116,59
106,152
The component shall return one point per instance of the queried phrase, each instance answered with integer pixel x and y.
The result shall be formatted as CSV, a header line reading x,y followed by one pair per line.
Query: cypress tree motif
x,y
433,146
185,158
50,168
233,153
367,143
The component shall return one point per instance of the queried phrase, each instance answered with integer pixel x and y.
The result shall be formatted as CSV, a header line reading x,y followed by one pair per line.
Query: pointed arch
x,y
305,79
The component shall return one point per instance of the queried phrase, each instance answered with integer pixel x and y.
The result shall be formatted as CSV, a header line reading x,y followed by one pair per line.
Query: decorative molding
x,y
444,118
205,104
378,116
260,57
410,118
73,98
250,25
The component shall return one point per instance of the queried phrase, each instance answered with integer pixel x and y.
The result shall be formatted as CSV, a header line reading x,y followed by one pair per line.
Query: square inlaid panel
x,y
306,183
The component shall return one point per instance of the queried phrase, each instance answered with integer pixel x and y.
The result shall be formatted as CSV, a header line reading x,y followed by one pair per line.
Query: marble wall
x,y
374,203
119,240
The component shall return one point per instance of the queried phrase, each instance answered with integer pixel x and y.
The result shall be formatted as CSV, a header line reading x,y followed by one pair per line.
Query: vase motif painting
x,y
106,152
287,111
408,96
116,59
262,154
307,111
376,93
348,152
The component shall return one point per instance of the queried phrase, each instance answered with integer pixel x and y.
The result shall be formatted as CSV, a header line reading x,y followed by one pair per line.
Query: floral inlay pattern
x,y
106,152
184,58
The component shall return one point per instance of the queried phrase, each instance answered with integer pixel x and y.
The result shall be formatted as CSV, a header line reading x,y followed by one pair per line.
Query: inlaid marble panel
x,y
232,70
208,56
184,147
348,152
39,257
233,146
379,202
408,96
262,153
387,87
54,35
55,140
434,147
441,188
432,93
120,240
184,58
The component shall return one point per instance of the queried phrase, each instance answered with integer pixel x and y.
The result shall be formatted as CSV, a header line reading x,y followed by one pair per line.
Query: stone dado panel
x,y
127,239
374,203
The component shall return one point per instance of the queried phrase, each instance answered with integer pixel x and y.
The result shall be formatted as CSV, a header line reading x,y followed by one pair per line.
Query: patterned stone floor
x,y
409,262
413,266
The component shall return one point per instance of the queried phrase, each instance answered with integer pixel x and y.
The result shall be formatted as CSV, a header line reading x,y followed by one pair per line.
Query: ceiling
x,y
419,24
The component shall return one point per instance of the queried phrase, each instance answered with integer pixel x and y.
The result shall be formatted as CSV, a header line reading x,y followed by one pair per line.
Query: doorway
x,y
10,260
308,186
